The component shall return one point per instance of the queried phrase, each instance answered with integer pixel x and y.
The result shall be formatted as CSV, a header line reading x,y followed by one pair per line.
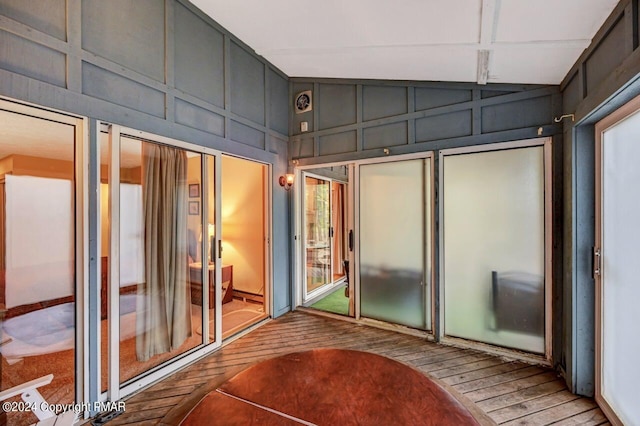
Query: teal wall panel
x,y
444,126
48,16
199,118
383,101
129,33
247,85
198,43
102,84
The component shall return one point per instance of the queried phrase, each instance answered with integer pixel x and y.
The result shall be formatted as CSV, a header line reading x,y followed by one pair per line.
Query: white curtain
x,y
164,322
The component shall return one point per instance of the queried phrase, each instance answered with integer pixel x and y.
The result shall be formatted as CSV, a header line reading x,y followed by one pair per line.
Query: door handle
x,y
351,240
219,249
597,262
212,249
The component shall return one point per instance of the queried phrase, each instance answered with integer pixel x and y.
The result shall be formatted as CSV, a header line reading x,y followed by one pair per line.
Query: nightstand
x,y
195,278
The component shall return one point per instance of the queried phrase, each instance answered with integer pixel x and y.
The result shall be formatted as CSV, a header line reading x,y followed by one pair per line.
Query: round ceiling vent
x,y
303,102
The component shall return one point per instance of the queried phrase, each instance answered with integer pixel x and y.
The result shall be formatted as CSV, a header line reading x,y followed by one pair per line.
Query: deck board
x,y
494,376
568,409
511,386
531,405
592,417
521,396
509,392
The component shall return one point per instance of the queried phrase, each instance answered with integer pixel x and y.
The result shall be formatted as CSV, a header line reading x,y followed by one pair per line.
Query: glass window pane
x,y
494,247
37,257
392,242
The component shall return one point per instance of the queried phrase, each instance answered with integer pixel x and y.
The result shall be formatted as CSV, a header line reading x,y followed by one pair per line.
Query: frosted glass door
x,y
620,269
494,247
393,241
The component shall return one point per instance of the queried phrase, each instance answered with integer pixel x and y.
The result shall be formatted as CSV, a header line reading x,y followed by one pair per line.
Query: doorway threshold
x,y
370,322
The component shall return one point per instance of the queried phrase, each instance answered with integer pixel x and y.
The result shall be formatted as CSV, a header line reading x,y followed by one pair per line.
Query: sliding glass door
x,y
324,223
496,245
395,242
160,218
616,267
325,231
244,251
41,253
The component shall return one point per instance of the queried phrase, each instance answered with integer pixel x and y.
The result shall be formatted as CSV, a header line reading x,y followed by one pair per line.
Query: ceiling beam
x,y
488,22
543,44
483,66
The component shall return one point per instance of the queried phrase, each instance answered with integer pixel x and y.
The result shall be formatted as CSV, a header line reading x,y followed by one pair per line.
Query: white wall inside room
x,y
40,233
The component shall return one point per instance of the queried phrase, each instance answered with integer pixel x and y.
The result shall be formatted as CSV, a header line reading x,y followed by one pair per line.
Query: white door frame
x,y
115,390
299,255
548,248
267,246
312,296
429,250
353,224
81,229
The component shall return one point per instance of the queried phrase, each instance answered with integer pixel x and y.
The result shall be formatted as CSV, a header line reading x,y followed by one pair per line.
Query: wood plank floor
x,y
509,392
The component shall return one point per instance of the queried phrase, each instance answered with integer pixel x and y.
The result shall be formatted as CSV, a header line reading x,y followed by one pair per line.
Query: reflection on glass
x,y
160,223
392,242
317,217
210,236
494,247
338,224
621,269
37,257
104,261
198,235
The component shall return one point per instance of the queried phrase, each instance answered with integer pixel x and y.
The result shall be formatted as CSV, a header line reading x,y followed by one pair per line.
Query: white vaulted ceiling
x,y
435,40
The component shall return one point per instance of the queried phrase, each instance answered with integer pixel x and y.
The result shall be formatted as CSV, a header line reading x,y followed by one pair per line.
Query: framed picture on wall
x,y
194,190
194,208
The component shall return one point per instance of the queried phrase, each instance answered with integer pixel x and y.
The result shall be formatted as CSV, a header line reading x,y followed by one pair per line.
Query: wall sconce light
x,y
286,181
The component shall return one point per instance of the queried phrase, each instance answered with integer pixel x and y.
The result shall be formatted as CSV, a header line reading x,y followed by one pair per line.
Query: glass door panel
x,y
317,224
617,219
38,246
200,298
160,218
494,247
105,255
393,241
325,252
244,289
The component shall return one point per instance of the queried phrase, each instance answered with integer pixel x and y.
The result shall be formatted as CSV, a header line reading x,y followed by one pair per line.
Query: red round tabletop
x,y
329,387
